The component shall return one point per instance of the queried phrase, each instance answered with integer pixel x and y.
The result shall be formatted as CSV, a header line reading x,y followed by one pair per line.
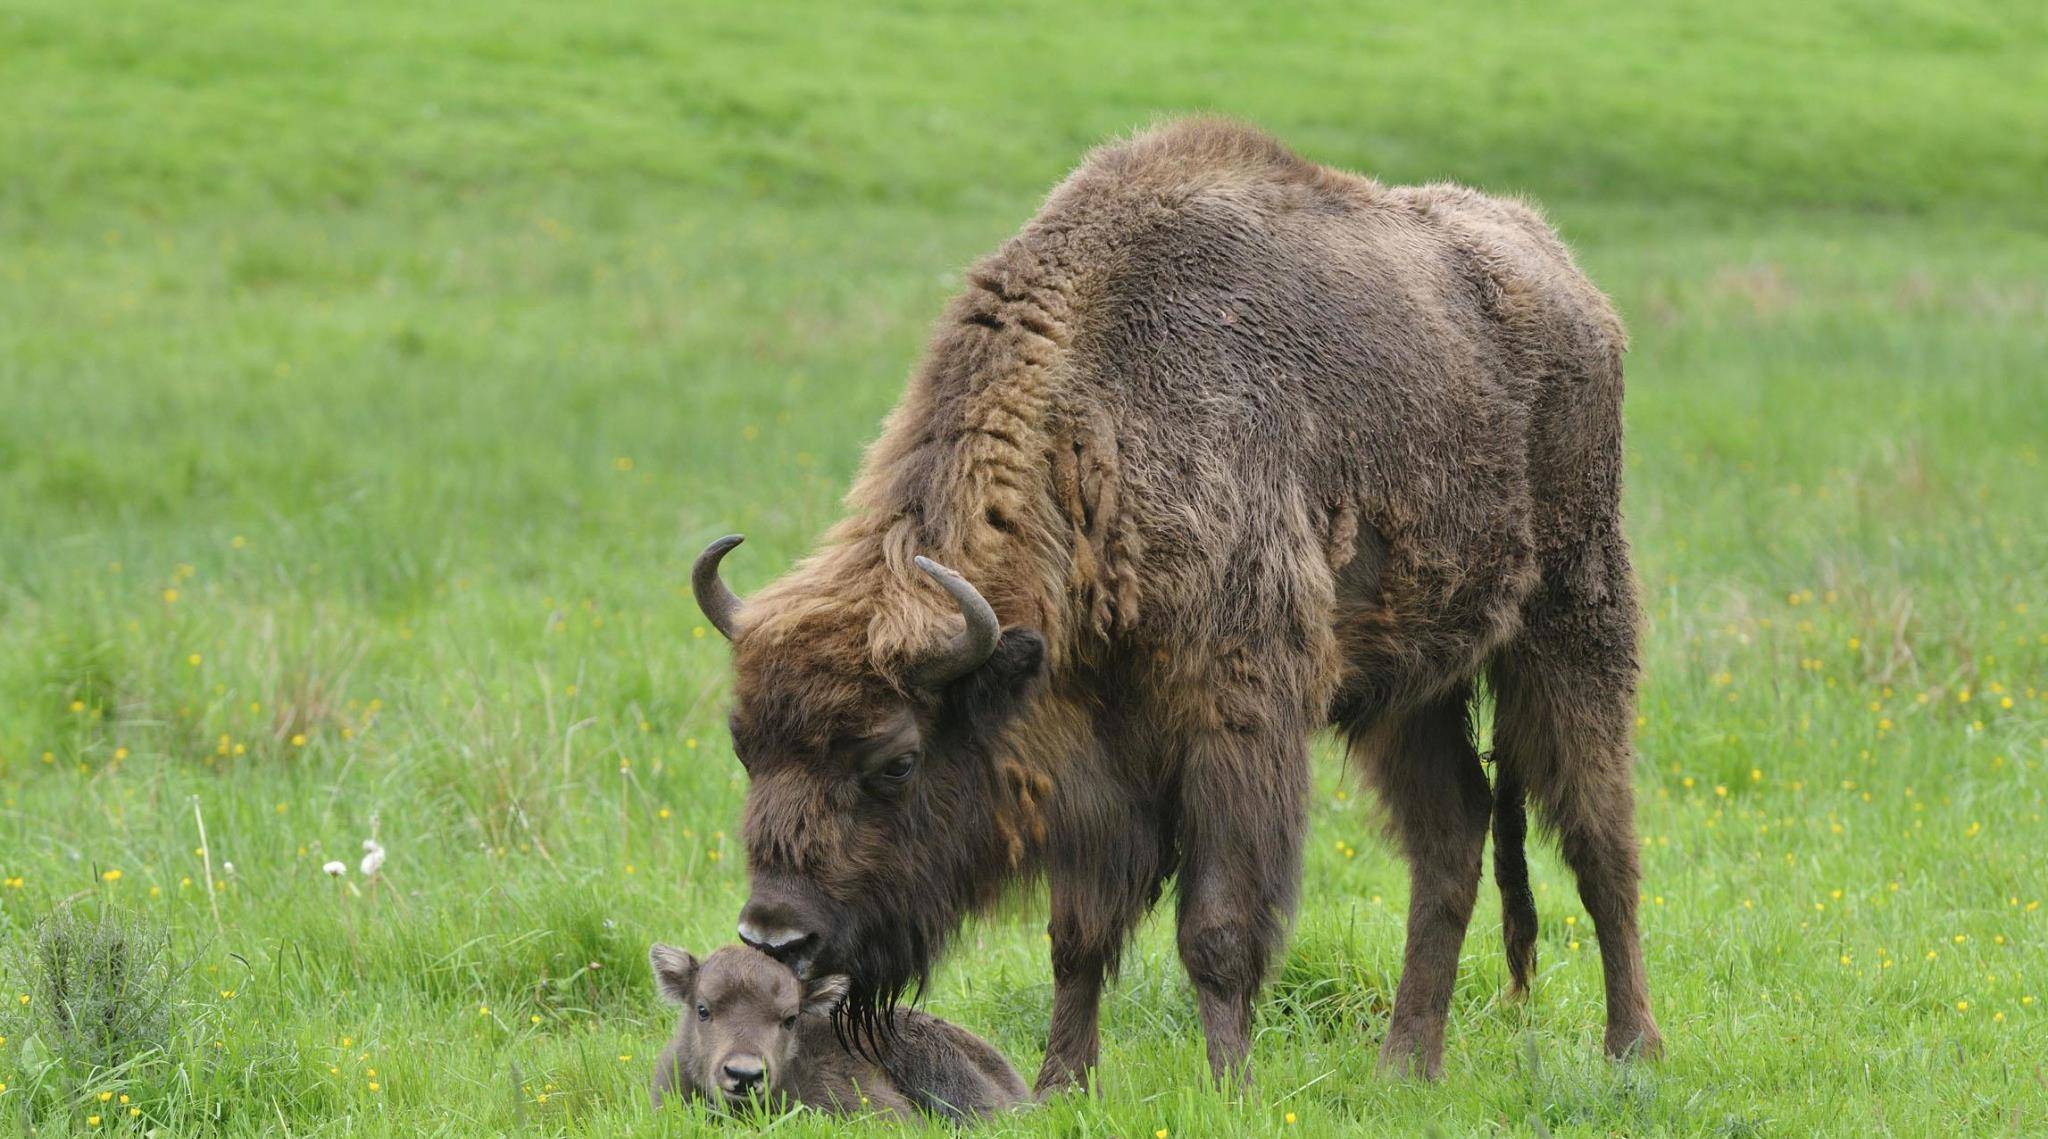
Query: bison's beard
x,y
887,954
893,924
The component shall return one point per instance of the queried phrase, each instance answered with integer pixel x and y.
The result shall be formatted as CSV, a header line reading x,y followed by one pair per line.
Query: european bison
x,y
1224,447
751,1030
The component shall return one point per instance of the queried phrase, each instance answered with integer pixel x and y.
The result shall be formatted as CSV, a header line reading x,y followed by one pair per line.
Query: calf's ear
x,y
675,973
987,698
822,995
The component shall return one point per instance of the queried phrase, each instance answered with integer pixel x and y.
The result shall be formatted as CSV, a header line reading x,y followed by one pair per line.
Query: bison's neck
x,y
965,471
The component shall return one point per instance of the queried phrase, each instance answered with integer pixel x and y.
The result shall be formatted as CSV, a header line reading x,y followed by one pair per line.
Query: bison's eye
x,y
703,1012
898,769
789,1023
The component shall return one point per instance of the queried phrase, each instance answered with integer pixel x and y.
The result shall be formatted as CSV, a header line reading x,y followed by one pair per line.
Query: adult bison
x,y
1224,447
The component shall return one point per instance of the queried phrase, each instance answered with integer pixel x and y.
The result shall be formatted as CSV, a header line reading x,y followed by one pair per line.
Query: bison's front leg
x,y
1243,811
1079,966
1105,864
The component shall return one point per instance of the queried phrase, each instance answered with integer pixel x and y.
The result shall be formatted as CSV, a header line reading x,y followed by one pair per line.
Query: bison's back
x,y
1286,309
1295,360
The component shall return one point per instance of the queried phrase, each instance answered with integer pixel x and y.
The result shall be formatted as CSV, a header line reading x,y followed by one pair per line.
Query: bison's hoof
x,y
1635,1044
1403,1058
1054,1084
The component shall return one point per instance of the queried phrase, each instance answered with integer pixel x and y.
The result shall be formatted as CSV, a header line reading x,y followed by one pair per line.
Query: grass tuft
x,y
100,984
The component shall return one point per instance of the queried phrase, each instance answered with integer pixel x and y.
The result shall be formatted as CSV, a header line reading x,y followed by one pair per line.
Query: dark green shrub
x,y
99,985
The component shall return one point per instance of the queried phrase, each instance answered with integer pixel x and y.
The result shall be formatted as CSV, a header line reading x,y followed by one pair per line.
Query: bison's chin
x,y
887,957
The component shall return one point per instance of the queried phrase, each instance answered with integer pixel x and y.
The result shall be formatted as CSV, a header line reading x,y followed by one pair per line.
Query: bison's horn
x,y
720,604
967,651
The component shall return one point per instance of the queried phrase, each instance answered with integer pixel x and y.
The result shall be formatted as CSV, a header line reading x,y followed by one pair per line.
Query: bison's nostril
x,y
777,923
776,941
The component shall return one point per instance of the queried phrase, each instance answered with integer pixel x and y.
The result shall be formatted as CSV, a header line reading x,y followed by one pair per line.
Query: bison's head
x,y
876,807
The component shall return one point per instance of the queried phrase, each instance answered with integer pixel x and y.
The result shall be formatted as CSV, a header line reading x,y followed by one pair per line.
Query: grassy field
x,y
371,374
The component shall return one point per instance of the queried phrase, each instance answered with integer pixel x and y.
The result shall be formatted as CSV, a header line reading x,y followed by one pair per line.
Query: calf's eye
x,y
789,1022
703,1013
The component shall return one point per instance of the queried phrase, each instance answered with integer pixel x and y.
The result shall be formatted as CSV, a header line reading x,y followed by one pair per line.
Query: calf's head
x,y
875,817
736,1040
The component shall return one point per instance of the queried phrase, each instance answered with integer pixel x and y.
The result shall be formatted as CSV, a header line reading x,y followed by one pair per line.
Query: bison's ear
x,y
822,996
988,697
675,973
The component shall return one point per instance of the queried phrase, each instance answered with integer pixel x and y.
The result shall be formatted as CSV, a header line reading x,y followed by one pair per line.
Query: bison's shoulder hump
x,y
1181,158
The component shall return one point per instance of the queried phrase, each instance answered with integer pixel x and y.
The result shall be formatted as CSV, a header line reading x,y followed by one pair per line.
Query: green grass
x,y
372,373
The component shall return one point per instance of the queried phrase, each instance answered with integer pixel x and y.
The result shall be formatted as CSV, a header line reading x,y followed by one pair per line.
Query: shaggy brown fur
x,y
1238,447
751,1031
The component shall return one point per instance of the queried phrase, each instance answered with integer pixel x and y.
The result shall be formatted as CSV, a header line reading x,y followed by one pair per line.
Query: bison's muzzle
x,y
778,921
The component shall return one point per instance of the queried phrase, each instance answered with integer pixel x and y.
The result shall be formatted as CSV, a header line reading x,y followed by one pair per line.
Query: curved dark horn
x,y
720,604
973,646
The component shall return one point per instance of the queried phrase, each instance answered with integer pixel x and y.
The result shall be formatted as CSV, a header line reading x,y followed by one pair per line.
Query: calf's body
x,y
751,1031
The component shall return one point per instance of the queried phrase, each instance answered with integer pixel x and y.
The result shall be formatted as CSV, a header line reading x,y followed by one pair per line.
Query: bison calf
x,y
752,1030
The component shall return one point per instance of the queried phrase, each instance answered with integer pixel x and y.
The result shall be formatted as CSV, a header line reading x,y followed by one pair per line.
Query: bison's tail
x,y
1511,872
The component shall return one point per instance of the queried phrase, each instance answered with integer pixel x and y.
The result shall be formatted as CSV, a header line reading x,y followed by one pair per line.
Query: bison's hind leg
x,y
1564,712
1423,765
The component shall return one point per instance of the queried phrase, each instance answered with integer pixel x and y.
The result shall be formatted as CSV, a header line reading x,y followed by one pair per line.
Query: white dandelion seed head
x,y
228,867
373,859
336,868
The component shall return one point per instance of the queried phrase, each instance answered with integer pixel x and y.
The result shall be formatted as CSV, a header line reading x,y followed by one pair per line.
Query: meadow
x,y
372,373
